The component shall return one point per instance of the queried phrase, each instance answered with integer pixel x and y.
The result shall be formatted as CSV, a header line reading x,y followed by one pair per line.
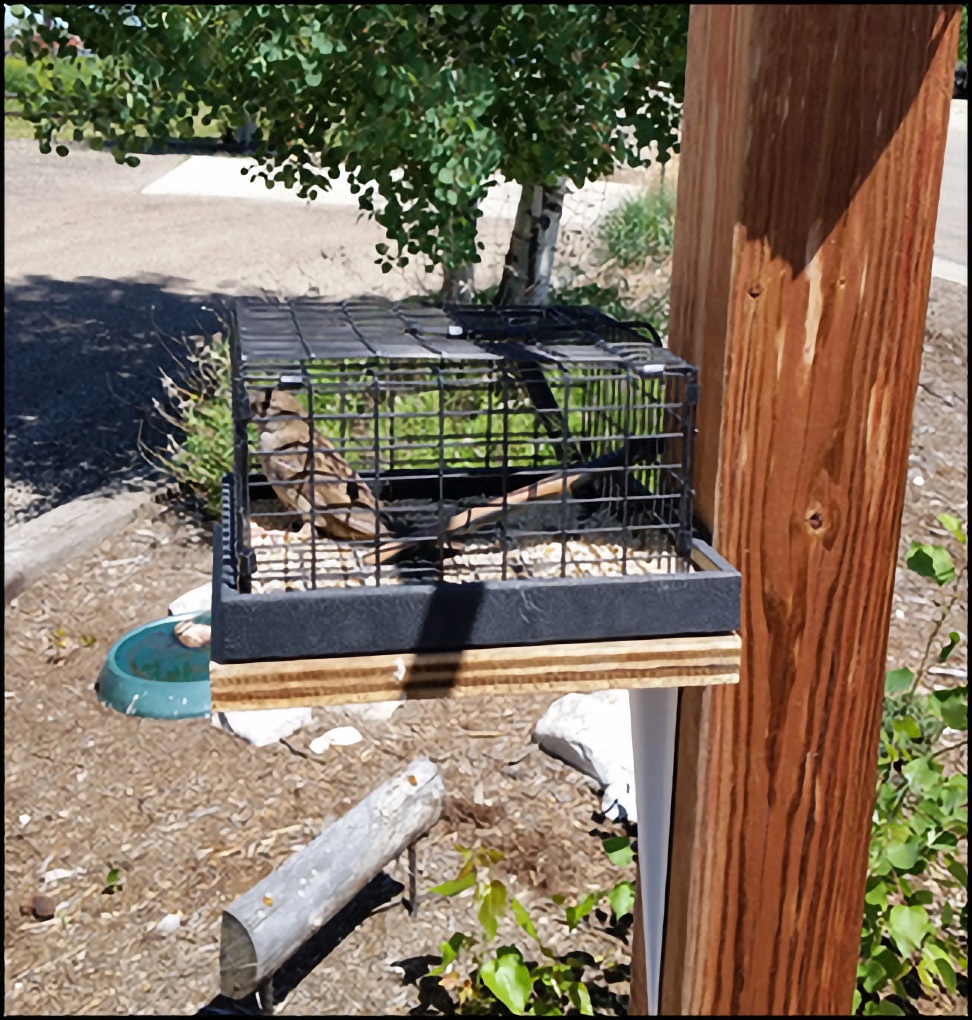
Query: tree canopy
x,y
421,104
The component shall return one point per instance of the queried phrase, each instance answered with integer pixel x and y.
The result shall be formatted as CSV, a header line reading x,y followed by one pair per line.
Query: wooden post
x,y
813,144
270,922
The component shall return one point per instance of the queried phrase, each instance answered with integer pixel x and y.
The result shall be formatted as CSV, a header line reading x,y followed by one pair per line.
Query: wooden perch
x,y
549,487
268,924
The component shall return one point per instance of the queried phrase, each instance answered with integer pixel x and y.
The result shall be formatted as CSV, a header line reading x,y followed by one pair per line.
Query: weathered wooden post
x,y
813,144
270,922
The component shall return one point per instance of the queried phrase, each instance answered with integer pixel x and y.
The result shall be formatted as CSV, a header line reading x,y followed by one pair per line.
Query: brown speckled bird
x,y
345,508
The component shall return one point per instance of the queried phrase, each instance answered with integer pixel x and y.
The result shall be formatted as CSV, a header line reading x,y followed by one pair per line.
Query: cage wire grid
x,y
497,442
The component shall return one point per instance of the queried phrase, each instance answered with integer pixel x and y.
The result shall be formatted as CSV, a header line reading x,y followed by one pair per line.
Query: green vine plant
x,y
914,939
482,978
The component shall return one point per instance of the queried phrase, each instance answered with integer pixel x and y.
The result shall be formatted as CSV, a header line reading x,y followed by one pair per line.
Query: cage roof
x,y
293,332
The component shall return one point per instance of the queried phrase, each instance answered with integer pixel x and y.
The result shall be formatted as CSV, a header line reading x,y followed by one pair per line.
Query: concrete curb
x,y
32,549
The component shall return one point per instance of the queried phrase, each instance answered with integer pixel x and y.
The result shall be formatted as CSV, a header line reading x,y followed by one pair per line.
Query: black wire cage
x,y
409,477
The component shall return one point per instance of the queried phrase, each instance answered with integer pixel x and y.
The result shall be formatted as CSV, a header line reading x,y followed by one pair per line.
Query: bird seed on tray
x,y
288,560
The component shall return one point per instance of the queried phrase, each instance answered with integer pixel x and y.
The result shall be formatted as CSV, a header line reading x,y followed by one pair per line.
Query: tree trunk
x,y
529,261
458,285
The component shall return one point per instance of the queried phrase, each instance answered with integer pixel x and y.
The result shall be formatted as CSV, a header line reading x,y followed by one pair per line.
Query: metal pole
x,y
653,717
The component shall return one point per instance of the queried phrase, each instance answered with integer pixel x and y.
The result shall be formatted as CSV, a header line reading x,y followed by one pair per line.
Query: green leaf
x,y
898,680
113,877
456,885
872,975
953,641
576,914
907,725
508,978
618,849
580,998
932,561
892,964
908,927
449,950
947,973
953,707
904,855
492,908
622,898
523,919
857,1002
921,774
882,1008
952,524
877,893
958,871
446,175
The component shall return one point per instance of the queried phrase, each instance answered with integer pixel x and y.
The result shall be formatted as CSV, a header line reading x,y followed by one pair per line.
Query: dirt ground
x,y
193,816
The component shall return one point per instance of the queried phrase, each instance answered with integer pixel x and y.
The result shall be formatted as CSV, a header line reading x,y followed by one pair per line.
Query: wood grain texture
x,y
590,666
813,145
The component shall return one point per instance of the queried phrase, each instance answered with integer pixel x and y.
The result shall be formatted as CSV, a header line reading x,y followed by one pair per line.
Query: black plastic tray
x,y
330,622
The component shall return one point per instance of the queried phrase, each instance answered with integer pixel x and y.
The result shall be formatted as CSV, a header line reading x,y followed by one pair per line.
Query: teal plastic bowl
x,y
150,673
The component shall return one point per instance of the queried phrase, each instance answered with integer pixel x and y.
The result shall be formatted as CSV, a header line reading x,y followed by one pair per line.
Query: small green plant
x,y
640,229
113,883
504,976
916,901
201,410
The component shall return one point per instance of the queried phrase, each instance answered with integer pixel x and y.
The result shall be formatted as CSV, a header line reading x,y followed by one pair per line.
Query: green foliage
x,y
505,978
640,229
920,820
200,408
963,44
422,103
17,76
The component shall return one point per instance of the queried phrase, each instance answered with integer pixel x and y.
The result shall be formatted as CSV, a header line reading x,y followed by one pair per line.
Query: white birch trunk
x,y
459,285
529,261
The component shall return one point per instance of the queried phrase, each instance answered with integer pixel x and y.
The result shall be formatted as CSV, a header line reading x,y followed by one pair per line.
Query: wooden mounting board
x,y
590,666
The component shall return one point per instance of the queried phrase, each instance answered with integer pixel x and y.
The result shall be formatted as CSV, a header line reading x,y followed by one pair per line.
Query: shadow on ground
x,y
379,892
82,362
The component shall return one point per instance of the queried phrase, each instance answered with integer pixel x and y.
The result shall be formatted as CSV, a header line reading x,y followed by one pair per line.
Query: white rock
x,y
374,711
340,736
263,727
169,924
199,600
592,733
24,819
56,874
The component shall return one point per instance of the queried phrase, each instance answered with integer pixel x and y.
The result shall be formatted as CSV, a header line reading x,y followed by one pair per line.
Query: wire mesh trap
x,y
414,445
396,446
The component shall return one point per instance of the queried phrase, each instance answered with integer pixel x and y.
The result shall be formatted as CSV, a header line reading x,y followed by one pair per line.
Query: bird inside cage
x,y
310,477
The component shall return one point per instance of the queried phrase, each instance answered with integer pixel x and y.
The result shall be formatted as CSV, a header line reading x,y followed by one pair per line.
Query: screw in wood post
x,y
412,882
265,996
